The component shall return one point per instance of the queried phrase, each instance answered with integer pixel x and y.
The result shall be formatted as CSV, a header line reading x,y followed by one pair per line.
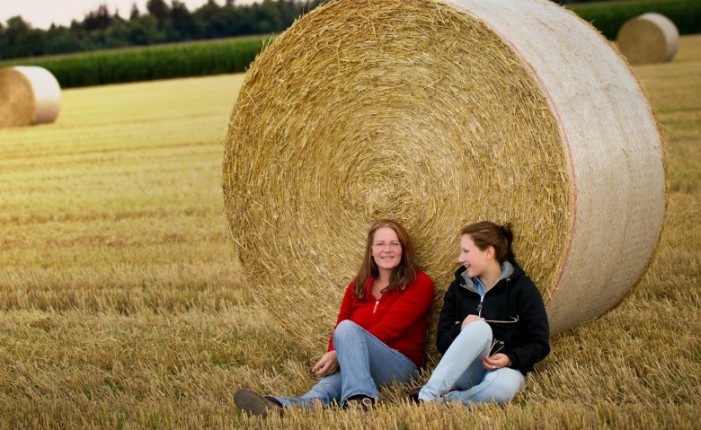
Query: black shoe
x,y
255,405
413,394
360,401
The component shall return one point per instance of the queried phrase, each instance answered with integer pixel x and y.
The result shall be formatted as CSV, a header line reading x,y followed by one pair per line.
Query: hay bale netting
x,y
28,95
648,38
441,114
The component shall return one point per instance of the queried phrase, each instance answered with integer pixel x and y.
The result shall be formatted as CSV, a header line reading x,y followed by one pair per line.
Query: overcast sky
x,y
42,13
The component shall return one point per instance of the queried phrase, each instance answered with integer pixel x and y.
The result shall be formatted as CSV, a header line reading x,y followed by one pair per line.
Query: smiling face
x,y
475,260
386,249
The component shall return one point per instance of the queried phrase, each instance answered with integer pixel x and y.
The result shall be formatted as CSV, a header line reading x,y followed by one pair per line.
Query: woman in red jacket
x,y
380,332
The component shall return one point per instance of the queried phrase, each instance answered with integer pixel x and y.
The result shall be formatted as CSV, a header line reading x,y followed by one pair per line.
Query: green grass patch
x,y
149,63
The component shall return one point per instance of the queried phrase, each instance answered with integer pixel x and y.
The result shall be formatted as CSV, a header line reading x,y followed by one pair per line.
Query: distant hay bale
x,y
439,114
28,95
648,38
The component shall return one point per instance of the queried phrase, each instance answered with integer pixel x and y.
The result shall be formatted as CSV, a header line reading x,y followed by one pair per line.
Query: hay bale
x,y
28,95
648,38
439,114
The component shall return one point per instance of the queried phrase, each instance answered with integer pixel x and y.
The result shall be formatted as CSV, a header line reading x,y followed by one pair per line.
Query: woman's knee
x,y
477,332
345,328
504,384
478,328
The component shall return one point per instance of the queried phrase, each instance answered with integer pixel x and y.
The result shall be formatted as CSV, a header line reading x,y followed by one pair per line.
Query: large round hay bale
x,y
28,95
440,114
648,38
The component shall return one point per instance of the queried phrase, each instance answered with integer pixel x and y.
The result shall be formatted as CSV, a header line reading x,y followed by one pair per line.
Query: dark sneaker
x,y
255,405
413,394
361,402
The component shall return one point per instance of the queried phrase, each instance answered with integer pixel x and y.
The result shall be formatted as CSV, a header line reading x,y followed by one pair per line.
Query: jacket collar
x,y
509,270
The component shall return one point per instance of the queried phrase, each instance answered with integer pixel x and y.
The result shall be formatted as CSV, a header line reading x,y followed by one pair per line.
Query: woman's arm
x,y
327,364
534,331
449,320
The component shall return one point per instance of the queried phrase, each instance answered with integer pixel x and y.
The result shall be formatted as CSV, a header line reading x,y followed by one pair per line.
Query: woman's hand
x,y
470,318
496,361
327,364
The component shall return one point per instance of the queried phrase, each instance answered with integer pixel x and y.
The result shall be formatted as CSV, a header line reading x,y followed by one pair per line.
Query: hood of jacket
x,y
509,269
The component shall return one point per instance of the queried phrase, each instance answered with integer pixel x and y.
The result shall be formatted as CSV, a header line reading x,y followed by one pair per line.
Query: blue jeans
x,y
461,377
365,363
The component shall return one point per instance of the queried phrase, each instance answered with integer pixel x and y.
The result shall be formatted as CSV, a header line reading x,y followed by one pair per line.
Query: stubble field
x,y
122,304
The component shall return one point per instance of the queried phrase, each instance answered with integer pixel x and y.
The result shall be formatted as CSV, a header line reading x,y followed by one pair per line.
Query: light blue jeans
x,y
460,376
365,363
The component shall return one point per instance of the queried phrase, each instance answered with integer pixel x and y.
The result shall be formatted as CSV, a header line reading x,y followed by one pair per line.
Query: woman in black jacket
x,y
493,327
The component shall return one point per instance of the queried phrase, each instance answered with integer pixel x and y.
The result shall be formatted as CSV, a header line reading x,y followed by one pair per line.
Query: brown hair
x,y
402,275
485,234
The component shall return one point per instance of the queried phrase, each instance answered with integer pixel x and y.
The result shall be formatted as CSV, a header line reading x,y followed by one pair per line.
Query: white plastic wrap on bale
x,y
615,149
47,93
648,38
32,95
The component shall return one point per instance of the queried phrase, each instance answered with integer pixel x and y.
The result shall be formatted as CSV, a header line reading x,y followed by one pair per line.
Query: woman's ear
x,y
491,252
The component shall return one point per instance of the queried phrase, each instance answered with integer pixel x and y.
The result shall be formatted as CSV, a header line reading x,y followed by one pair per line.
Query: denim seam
x,y
358,393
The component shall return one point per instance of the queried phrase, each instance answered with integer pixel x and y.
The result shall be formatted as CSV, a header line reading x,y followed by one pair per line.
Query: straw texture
x,y
28,95
648,38
437,114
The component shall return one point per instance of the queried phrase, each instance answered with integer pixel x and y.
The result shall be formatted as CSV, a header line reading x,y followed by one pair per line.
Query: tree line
x,y
163,23
159,23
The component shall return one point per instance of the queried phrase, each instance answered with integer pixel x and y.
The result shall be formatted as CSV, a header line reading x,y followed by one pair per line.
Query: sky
x,y
42,13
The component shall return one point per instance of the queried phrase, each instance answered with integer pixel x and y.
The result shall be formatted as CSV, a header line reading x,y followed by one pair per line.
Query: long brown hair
x,y
485,234
402,275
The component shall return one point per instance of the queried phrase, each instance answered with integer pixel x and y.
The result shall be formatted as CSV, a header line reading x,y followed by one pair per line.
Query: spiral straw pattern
x,y
429,113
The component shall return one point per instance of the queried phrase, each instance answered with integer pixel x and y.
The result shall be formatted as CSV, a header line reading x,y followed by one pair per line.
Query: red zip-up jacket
x,y
398,318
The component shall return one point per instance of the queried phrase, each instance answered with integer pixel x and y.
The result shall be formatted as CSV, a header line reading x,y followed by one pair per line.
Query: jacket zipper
x,y
374,310
479,306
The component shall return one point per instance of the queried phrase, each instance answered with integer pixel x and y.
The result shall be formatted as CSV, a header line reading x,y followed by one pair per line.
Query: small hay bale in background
x,y
648,38
28,95
440,114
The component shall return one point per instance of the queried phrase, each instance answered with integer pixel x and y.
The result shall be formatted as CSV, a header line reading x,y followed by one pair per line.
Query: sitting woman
x,y
380,332
493,327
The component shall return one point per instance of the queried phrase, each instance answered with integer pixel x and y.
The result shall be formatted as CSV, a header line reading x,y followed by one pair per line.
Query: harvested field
x,y
122,304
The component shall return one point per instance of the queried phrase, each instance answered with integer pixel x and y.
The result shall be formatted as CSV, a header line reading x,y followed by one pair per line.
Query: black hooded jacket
x,y
526,341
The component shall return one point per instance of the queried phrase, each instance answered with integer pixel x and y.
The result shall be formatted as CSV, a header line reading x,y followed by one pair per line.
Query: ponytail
x,y
509,237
